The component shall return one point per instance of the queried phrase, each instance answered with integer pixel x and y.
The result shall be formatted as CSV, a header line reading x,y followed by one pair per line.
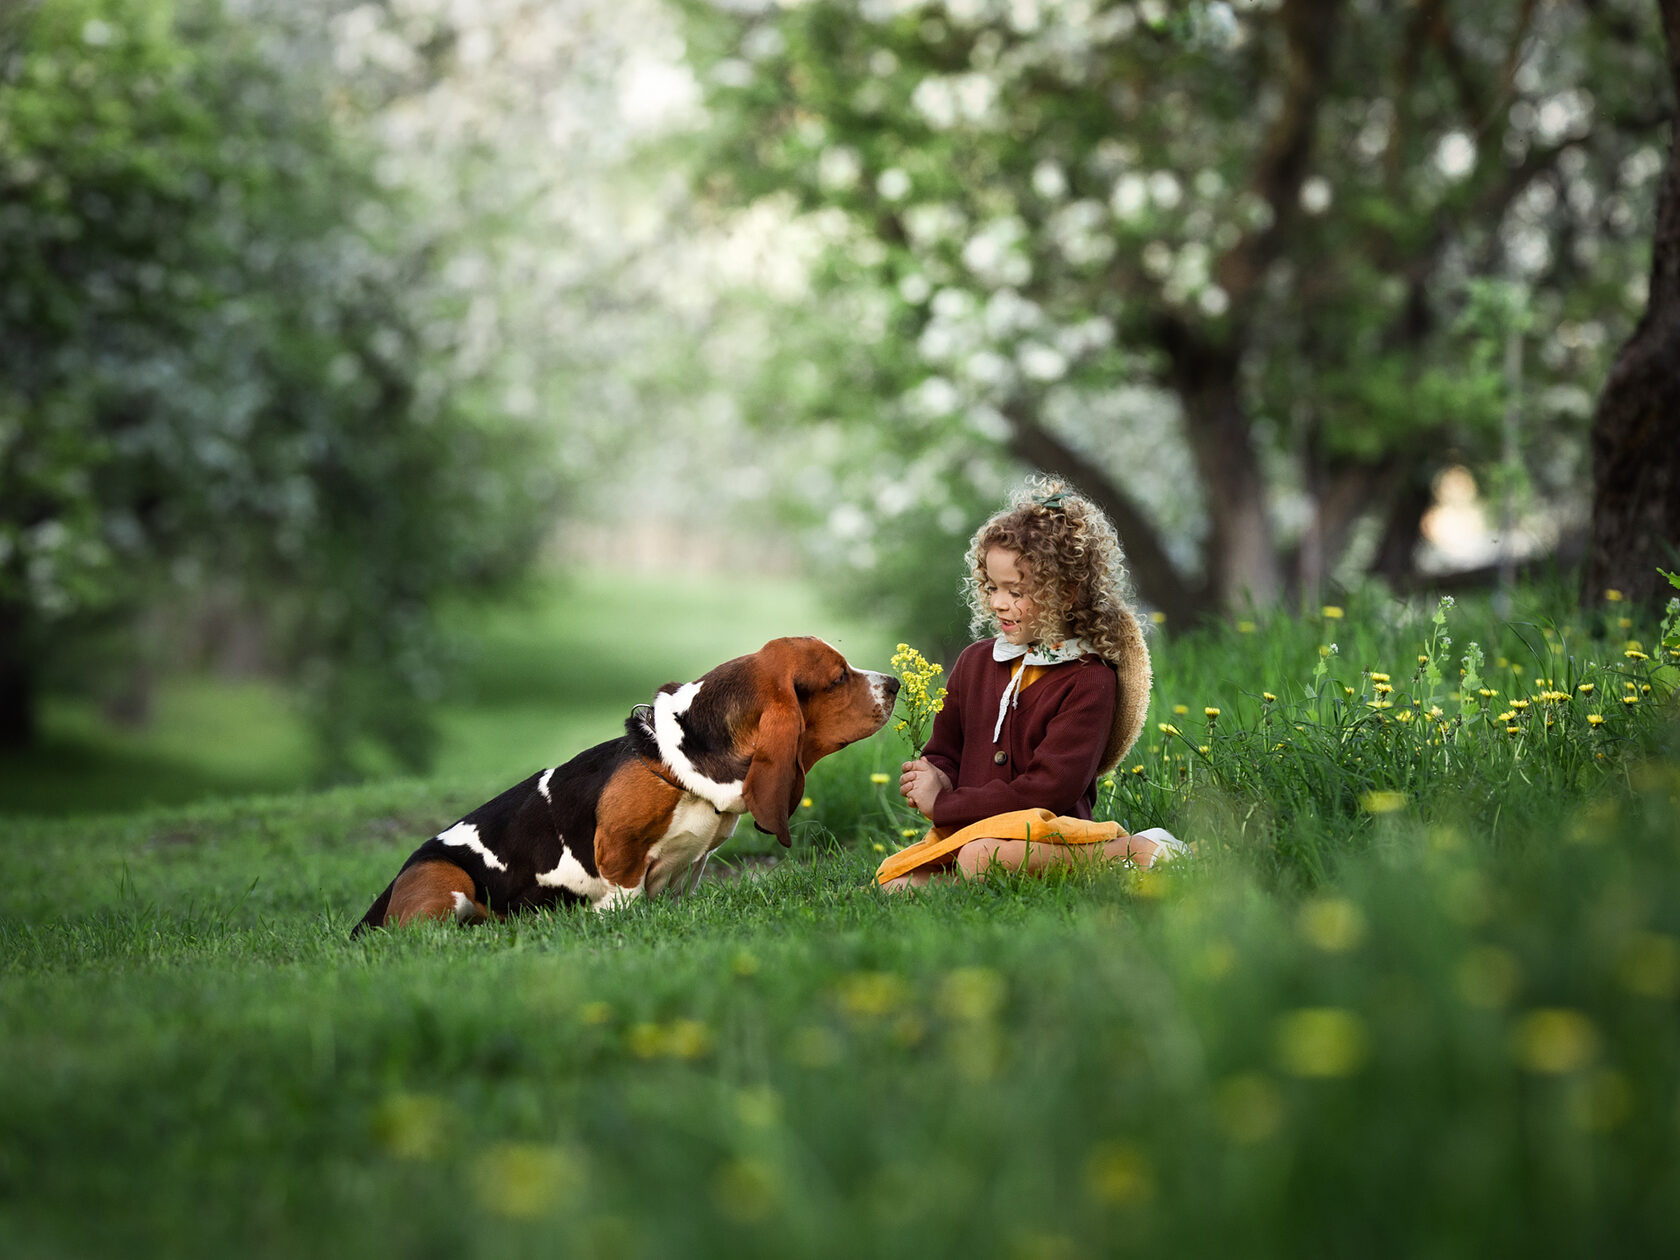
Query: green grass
x,y
1415,995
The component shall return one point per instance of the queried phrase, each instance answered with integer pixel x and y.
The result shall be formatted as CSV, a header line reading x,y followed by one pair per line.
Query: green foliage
x,y
218,376
1033,217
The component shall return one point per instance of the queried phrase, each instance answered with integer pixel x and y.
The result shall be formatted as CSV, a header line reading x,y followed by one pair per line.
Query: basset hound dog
x,y
641,813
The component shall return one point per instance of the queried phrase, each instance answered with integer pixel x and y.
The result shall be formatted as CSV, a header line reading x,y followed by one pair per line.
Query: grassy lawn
x,y
1415,995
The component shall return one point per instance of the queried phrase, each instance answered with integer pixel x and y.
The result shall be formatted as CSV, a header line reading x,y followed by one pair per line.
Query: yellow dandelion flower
x,y
1405,715
1379,678
805,802
1624,623
909,833
1519,704
1181,710
1512,730
1423,658
1613,596
1158,617
1595,719
1586,689
878,777
1487,693
1167,728
1332,613
1630,699
1379,704
1212,713
1382,688
1554,1040
1204,749
1268,697
1137,769
1508,716
1634,654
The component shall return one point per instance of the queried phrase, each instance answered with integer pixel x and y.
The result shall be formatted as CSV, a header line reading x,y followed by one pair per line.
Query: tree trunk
x,y
1242,560
1636,429
1152,571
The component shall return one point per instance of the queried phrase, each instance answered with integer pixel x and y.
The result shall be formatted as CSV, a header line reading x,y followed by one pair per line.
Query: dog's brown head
x,y
749,730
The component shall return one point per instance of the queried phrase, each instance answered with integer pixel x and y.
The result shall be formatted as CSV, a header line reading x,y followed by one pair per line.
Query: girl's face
x,y
1006,595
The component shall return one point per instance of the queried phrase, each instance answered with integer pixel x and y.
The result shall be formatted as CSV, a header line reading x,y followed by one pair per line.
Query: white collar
x,y
1032,654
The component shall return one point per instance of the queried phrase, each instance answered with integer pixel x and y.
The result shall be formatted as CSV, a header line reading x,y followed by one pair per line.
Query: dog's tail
x,y
375,917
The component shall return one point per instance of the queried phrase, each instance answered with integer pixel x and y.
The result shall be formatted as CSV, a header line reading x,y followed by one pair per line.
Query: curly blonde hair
x,y
1073,564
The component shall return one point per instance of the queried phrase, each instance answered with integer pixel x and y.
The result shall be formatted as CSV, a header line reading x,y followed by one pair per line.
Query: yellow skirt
x,y
1038,826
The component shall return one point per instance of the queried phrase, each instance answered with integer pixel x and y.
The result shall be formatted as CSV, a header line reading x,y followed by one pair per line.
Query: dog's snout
x,y
889,684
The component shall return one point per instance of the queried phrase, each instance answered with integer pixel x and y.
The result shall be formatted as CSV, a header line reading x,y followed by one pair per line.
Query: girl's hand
x,y
921,783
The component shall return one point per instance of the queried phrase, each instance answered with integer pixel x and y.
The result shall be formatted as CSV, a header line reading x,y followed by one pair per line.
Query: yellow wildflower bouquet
x,y
916,699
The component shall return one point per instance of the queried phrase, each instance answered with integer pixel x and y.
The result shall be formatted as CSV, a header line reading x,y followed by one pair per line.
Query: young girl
x,y
1035,715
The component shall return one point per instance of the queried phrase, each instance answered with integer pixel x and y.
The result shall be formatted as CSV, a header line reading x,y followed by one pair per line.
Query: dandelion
x,y
1634,654
1554,1040
1379,678
1211,713
1204,749
1630,699
1332,613
1158,617
1595,720
1405,715
1268,697
1167,728
1613,596
1486,693
1181,710
805,802
1379,704
909,833
1320,1042
1137,769
1512,730
1382,802
1382,688
1586,689
878,777
1519,705
917,697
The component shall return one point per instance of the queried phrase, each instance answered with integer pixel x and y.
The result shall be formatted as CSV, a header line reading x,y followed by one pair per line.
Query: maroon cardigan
x,y
1053,738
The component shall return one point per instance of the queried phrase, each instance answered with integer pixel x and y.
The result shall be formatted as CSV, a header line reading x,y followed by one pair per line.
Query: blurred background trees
x,y
230,403
1225,263
314,316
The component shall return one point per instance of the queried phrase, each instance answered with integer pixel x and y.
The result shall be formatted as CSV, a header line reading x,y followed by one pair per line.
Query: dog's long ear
x,y
775,780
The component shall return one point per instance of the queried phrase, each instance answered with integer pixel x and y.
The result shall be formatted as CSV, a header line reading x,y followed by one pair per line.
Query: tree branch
x,y
1158,580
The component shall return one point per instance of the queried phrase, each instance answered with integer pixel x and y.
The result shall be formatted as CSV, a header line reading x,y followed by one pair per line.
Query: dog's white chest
x,y
696,829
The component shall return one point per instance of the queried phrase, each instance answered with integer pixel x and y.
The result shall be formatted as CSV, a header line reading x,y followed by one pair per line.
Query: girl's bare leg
x,y
917,878
1015,855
